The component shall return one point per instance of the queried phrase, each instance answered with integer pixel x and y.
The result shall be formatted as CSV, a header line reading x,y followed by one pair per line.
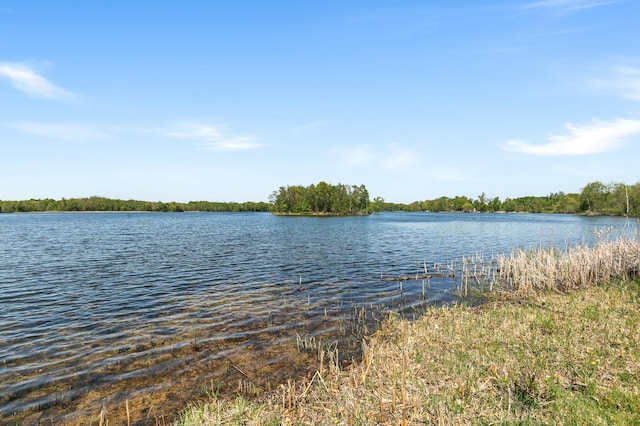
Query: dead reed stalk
x,y
577,267
550,268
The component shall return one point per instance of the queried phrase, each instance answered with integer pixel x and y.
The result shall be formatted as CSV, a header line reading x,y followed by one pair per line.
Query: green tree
x,y
323,197
378,204
495,205
481,204
594,197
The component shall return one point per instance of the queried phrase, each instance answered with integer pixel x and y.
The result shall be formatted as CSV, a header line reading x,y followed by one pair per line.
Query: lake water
x,y
157,309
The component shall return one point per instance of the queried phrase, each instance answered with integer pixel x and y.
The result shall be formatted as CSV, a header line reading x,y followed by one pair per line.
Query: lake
x,y
159,309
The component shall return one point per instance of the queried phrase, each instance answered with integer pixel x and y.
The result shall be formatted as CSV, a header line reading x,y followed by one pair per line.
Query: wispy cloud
x,y
593,138
68,132
28,81
356,155
212,137
447,173
309,126
567,5
623,81
391,157
398,157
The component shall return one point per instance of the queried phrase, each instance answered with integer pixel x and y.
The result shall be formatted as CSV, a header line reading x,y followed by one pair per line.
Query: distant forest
x,y
101,204
614,199
596,198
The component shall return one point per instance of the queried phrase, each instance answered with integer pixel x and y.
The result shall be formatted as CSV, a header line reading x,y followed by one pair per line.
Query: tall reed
x,y
551,268
580,266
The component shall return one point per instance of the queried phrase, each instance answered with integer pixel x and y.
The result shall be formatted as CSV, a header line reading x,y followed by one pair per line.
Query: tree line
x,y
615,199
552,203
596,198
323,198
114,205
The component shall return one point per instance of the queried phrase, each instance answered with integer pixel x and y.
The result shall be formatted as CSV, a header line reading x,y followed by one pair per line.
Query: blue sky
x,y
229,100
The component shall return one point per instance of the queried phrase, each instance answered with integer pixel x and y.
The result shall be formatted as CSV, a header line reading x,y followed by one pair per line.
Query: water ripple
x,y
89,300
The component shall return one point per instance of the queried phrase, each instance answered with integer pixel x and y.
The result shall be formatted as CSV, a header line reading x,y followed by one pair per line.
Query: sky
x,y
229,100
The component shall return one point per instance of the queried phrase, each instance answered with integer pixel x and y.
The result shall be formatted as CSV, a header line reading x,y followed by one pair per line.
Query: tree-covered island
x,y
322,199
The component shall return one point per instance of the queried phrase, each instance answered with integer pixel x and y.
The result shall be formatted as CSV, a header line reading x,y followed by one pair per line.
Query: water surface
x,y
103,307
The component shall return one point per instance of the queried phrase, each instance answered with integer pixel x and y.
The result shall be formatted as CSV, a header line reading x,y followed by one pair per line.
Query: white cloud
x,y
391,157
69,132
623,81
309,126
212,137
448,173
593,138
192,131
398,157
568,5
356,155
239,143
31,83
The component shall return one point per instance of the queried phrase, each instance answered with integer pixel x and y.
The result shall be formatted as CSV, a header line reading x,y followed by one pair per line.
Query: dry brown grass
x,y
580,266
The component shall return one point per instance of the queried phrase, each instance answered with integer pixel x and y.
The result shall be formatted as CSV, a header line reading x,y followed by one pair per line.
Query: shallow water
x,y
104,307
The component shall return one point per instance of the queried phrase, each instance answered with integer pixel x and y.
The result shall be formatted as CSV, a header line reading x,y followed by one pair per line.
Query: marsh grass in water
x,y
560,347
548,267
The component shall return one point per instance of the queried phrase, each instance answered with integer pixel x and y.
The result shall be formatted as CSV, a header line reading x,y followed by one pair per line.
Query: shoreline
x,y
548,358
583,214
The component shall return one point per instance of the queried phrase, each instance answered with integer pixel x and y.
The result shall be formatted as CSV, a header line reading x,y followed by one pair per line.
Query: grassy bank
x,y
561,346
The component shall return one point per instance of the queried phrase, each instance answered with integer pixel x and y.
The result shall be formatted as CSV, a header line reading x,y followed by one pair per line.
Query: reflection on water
x,y
156,309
